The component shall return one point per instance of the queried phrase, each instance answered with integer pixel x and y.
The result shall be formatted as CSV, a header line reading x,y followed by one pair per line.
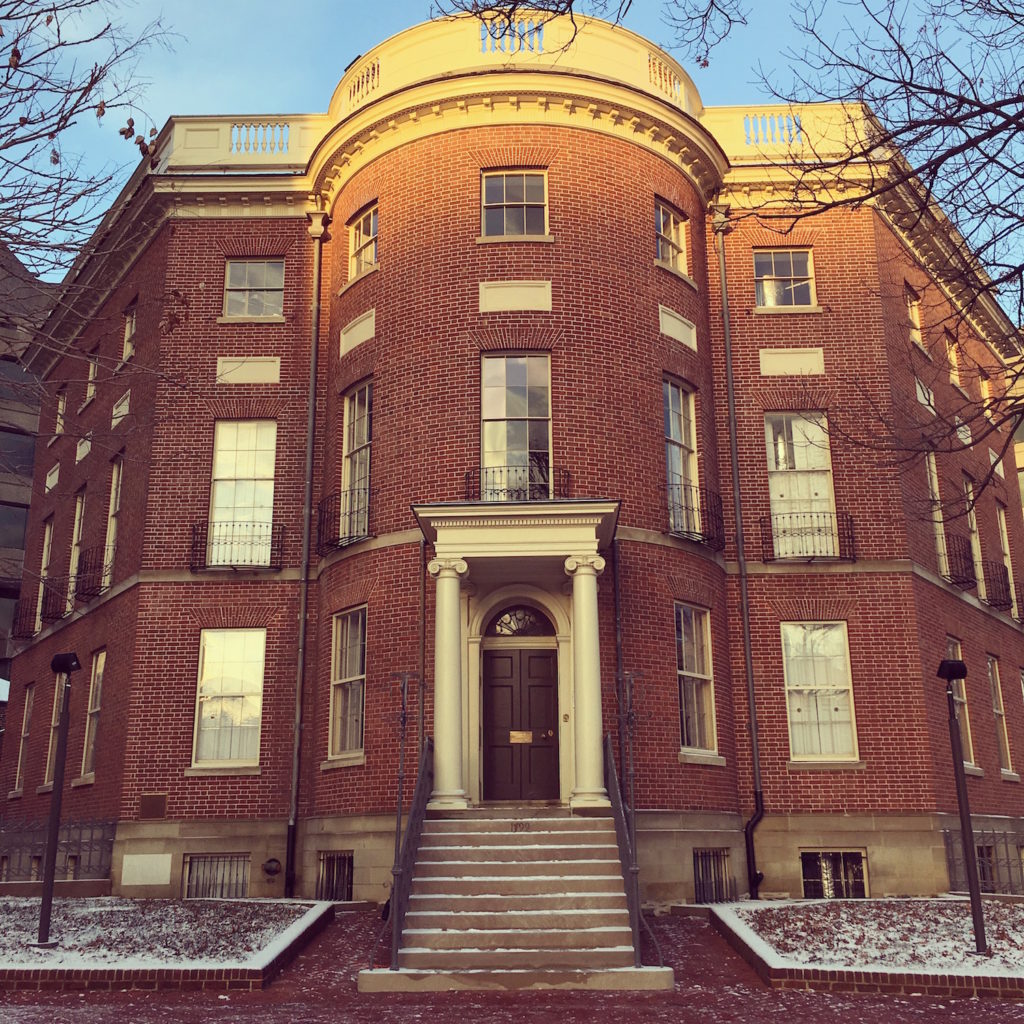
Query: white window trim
x,y
975,538
690,476
51,746
707,678
92,711
1004,546
347,755
954,652
494,171
26,728
999,713
912,303
76,551
44,570
935,503
91,373
130,325
246,317
925,395
113,513
356,508
675,241
782,308
360,243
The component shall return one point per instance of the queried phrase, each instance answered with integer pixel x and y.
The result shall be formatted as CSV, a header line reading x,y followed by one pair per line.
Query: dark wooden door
x,y
520,718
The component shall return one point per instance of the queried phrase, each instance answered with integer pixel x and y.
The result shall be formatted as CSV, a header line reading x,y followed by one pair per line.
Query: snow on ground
x,y
144,933
935,936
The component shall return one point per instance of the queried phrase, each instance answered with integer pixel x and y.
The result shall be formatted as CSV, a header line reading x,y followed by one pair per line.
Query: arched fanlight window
x,y
519,620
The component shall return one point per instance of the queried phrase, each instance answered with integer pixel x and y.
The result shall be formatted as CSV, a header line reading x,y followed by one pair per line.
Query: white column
x,y
586,664
449,790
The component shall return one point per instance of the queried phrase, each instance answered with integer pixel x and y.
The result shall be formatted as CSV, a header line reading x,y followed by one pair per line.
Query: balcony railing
x,y
536,482
343,518
959,568
696,514
24,625
237,546
55,598
95,571
803,536
997,586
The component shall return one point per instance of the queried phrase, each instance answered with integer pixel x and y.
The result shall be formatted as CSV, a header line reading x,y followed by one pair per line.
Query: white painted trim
x,y
358,330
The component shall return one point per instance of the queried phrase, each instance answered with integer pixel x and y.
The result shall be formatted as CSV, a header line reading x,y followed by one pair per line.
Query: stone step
x,y
521,853
451,886
540,940
611,979
462,868
501,917
552,837
505,959
513,823
559,900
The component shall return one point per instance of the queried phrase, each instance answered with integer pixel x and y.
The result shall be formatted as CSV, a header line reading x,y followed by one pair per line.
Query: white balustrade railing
x,y
664,79
520,35
773,130
365,81
260,137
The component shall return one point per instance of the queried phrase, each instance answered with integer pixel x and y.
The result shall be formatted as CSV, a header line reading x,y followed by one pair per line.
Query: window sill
x,y
15,794
53,440
47,787
920,348
962,390
826,766
346,760
681,274
775,310
973,769
275,319
359,277
194,773
83,780
690,756
1008,776
87,403
492,239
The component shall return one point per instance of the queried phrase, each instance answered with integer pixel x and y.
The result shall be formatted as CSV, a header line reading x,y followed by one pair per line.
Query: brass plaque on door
x,y
520,736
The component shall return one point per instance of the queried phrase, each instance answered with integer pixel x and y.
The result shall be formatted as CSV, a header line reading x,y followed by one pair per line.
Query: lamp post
x,y
950,670
63,665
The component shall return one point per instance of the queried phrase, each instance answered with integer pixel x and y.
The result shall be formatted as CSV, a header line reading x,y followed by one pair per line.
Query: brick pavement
x,y
713,986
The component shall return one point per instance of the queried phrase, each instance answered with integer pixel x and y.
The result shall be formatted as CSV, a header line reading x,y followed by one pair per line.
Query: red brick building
x,y
437,382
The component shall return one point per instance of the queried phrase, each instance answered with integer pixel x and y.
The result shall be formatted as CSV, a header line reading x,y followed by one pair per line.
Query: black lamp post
x,y
63,665
950,670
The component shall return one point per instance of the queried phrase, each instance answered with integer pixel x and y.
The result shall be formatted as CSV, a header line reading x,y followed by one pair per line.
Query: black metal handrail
x,y
536,482
55,598
808,535
234,545
696,514
997,586
627,854
342,518
95,571
959,568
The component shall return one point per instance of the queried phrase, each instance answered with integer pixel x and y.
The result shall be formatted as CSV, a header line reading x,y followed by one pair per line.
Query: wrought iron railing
x,y
55,598
84,849
25,624
343,518
997,586
1000,866
624,832
535,482
696,514
959,568
237,546
95,571
808,535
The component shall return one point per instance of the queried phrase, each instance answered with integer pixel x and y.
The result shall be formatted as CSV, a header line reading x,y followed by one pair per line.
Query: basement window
x,y
334,875
834,875
222,876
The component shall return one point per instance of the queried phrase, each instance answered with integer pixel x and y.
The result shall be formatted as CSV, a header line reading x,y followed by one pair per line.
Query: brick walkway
x,y
713,986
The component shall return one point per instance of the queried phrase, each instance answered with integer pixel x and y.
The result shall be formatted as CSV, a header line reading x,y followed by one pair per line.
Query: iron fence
x,y
84,849
1000,860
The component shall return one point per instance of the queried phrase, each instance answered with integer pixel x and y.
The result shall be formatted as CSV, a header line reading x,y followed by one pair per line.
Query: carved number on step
x,y
520,826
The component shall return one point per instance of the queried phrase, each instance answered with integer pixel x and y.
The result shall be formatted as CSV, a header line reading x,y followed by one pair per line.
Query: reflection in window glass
x,y
230,699
782,277
17,452
254,288
12,525
514,203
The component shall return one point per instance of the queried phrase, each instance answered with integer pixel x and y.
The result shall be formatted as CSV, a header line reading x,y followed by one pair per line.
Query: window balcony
x,y
696,514
997,586
24,625
959,567
342,518
95,571
55,598
808,536
535,482
234,545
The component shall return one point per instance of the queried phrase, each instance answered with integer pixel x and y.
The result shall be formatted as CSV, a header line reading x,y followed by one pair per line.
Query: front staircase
x,y
513,898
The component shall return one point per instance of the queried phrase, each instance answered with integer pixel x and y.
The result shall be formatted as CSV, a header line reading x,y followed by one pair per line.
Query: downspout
x,y
318,222
619,660
423,647
720,225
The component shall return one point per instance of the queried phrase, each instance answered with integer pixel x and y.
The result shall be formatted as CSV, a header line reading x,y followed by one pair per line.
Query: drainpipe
x,y
423,647
720,225
619,661
318,222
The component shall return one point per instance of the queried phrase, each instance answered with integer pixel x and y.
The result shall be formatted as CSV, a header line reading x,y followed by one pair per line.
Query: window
x,y
44,571
119,410
334,875
803,516
669,237
959,686
92,714
18,452
987,399
16,384
254,288
997,464
363,242
242,495
129,333
355,503
516,428
229,704
51,747
681,460
913,304
218,877
935,504
514,203
696,687
1004,546
833,875
819,691
348,683
59,413
76,551
925,395
1000,716
26,725
52,476
972,532
963,431
12,525
953,358
113,513
83,447
91,369
783,277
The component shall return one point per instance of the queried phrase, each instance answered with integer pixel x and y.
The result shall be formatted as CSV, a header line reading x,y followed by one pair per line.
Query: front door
x,y
520,724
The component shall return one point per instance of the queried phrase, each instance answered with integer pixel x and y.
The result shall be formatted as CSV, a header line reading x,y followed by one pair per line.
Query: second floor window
x,y
974,537
363,242
128,349
912,301
76,551
355,503
1003,740
696,689
954,653
254,288
92,714
669,236
783,277
935,509
680,460
348,683
514,203
113,514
